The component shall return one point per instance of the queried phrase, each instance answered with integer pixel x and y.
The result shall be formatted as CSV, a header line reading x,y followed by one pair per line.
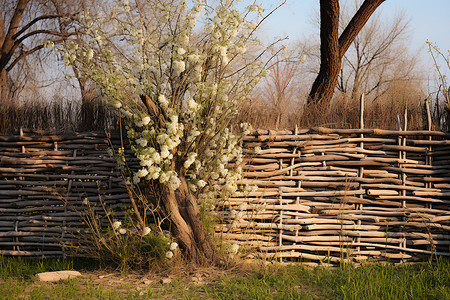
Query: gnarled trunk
x,y
187,225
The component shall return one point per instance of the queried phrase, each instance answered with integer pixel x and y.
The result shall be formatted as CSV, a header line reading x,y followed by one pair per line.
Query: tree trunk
x,y
330,60
187,225
4,88
333,47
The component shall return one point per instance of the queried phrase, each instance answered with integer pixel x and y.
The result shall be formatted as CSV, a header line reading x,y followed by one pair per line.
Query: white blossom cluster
x,y
176,83
117,226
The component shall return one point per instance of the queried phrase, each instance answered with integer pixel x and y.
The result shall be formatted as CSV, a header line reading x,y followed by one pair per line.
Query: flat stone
x,y
166,280
57,275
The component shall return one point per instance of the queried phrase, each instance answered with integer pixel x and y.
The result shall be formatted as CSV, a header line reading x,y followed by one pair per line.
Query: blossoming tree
x,y
176,72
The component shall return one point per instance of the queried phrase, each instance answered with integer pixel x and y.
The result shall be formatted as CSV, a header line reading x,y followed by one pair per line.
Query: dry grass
x,y
342,113
62,117
56,116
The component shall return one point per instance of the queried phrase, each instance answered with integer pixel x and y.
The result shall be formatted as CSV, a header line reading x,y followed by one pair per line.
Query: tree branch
x,y
13,26
357,23
34,21
18,42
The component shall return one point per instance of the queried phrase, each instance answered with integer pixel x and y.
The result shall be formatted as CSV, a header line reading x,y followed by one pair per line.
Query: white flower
x,y
163,101
173,246
173,119
178,67
223,51
153,172
164,151
201,183
146,162
139,123
190,160
193,58
156,157
161,139
146,231
146,120
192,105
164,177
174,182
169,254
258,150
142,172
225,60
117,104
223,171
181,51
122,231
141,142
90,54
117,224
172,128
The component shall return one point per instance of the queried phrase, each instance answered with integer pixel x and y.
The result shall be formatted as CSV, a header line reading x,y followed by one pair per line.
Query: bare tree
x,y
376,58
24,26
92,110
333,47
278,88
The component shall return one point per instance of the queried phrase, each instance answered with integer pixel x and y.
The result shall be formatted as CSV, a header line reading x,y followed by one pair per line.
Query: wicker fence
x,y
45,183
323,194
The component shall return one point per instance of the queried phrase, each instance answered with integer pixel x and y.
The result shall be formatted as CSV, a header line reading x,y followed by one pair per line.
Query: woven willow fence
x,y
45,181
325,195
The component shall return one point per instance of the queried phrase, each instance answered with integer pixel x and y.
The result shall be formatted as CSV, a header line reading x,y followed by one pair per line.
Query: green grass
x,y
375,281
371,281
17,267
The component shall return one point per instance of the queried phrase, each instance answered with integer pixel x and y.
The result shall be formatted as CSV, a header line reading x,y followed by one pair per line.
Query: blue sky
x,y
428,20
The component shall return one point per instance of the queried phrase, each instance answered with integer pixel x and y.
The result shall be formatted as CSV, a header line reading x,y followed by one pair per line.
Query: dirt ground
x,y
164,284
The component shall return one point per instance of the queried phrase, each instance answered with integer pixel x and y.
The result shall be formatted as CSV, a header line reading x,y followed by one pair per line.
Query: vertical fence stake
x,y
361,168
428,157
280,191
403,173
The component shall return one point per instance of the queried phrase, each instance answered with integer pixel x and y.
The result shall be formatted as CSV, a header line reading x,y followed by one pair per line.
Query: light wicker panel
x,y
327,194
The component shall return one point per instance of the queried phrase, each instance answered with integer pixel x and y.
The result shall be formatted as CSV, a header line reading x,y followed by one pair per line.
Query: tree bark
x,y
9,39
187,225
4,88
333,47
330,60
